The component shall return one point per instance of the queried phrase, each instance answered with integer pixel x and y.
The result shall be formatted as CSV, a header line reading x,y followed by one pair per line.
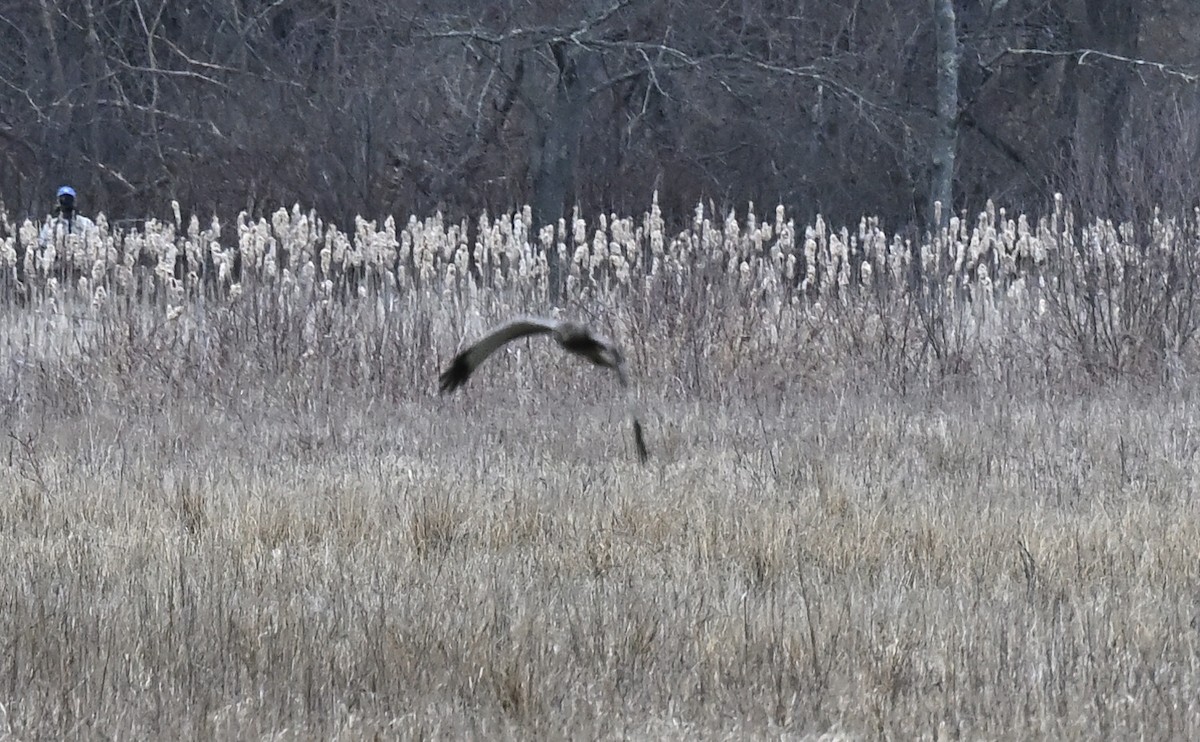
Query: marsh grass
x,y
978,567
252,518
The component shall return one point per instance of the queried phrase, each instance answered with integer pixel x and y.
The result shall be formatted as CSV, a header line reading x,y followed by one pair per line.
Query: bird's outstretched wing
x,y
579,340
465,363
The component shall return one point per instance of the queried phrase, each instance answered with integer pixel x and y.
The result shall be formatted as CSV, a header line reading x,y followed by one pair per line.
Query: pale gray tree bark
x,y
945,137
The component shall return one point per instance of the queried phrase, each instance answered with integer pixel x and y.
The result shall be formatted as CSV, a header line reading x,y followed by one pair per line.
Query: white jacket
x,y
57,228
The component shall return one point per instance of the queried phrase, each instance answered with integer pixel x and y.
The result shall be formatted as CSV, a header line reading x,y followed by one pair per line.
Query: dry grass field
x,y
872,510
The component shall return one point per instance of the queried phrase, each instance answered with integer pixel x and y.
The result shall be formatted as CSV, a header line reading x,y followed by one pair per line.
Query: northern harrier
x,y
573,337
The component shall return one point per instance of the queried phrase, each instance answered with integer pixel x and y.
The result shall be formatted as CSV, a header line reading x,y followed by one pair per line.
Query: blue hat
x,y
66,190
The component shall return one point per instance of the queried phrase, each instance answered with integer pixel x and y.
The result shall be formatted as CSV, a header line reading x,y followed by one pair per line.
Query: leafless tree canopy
x,y
373,107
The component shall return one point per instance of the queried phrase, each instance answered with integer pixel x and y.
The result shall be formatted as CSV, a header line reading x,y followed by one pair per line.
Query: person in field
x,y
65,220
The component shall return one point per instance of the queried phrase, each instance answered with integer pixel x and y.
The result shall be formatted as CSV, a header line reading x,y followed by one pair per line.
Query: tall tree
x,y
945,137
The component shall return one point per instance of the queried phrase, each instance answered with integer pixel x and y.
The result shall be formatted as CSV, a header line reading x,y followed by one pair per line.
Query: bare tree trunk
x,y
1094,103
58,76
1115,26
945,137
54,139
556,159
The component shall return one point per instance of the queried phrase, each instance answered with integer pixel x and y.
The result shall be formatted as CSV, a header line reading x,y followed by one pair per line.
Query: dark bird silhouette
x,y
573,337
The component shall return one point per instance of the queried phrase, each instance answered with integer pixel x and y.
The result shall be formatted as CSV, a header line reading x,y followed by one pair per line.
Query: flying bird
x,y
572,336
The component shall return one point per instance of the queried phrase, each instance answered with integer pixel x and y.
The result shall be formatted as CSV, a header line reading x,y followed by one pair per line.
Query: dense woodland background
x,y
380,108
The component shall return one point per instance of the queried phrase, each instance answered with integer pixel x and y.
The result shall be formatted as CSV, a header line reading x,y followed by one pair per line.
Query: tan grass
x,y
872,567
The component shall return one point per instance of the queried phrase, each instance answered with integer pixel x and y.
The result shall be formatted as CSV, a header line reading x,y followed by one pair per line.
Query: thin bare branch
x,y
188,74
1082,56
109,171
